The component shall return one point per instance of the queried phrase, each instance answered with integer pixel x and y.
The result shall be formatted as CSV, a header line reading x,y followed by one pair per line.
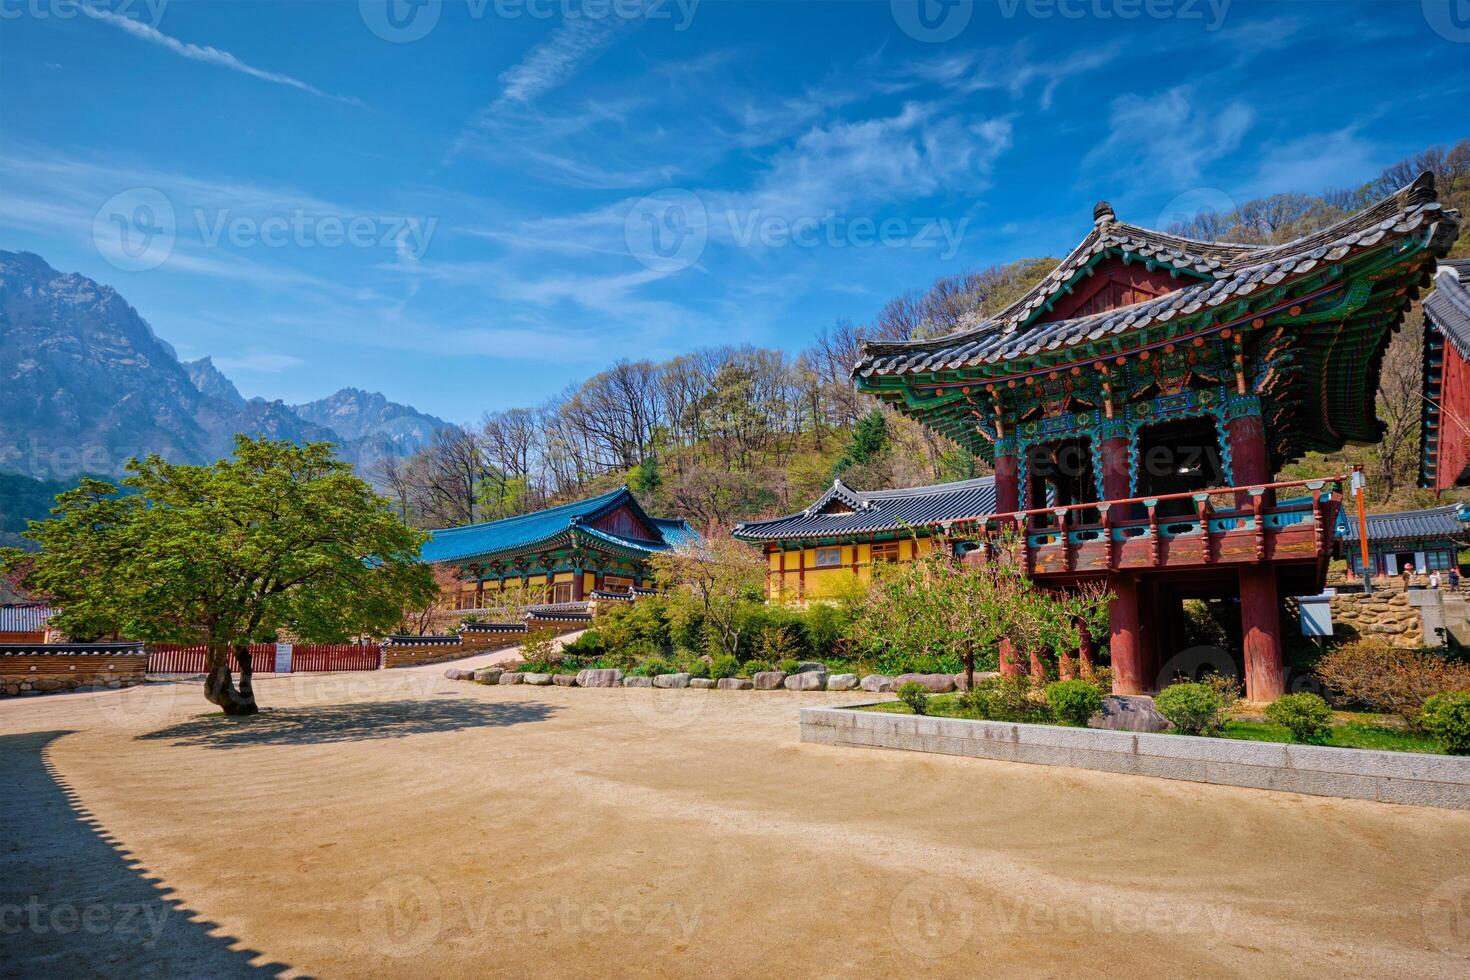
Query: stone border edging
x,y
1357,774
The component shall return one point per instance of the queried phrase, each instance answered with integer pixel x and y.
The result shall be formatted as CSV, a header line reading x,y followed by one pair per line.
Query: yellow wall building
x,y
817,552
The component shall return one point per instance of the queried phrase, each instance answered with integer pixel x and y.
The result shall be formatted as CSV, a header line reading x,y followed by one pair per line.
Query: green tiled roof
x,y
544,527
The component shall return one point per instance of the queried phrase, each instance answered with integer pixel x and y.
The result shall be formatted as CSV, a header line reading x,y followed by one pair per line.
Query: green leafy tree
x,y
281,537
869,439
724,579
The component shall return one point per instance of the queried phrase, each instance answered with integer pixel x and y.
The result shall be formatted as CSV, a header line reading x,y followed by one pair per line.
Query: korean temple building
x,y
1136,406
1424,540
601,544
1445,431
845,532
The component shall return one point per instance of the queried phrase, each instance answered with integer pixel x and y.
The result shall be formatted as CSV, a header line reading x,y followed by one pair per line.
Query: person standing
x,y
1454,578
1408,575
1434,579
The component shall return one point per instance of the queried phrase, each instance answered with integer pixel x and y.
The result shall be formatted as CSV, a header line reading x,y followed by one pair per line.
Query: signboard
x,y
1316,611
283,658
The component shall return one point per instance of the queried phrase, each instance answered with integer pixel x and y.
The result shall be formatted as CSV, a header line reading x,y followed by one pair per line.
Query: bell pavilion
x,y
1138,403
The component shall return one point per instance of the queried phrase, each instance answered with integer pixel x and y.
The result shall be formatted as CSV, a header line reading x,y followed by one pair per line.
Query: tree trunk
x,y
219,684
969,661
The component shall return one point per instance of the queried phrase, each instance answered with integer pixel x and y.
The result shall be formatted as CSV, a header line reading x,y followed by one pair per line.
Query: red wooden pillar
x,y
1008,665
1007,482
1124,641
1249,464
1114,459
577,586
1150,626
1260,621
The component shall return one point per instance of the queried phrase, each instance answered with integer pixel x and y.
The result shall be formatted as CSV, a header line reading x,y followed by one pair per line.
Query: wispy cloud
x,y
207,55
1166,134
263,362
576,42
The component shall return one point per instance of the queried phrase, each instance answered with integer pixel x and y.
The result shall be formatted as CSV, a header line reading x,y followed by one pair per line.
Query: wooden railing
x,y
1291,519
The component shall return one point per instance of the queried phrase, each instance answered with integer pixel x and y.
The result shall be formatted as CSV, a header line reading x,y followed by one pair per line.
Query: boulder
x,y
810,667
600,678
734,684
701,683
1129,713
842,682
637,681
933,683
768,680
512,677
878,684
487,675
811,680
675,681
458,674
980,675
564,680
536,680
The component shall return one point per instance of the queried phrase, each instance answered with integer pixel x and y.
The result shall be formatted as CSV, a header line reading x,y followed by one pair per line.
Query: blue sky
x,y
469,205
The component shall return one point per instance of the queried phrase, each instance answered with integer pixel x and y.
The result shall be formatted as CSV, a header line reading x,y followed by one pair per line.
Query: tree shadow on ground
x,y
353,722
76,903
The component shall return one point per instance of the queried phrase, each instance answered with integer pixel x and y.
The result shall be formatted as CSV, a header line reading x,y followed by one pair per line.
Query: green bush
x,y
788,665
691,664
1446,717
1305,715
827,629
723,666
1073,702
753,667
1195,709
652,667
1006,699
590,645
916,696
781,641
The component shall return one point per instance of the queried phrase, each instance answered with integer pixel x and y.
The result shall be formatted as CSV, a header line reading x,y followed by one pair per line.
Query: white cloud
x,y
576,41
259,361
206,54
1165,135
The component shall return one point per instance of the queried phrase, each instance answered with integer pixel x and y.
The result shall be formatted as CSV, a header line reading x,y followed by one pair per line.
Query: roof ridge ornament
x,y
1102,214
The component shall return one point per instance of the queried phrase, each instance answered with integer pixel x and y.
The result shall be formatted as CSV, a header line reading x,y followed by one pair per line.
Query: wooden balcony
x,y
1292,521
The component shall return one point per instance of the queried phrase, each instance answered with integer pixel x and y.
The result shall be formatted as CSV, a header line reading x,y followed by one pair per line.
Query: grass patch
x,y
1351,731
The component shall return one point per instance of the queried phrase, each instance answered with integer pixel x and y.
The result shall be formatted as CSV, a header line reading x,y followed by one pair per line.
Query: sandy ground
x,y
399,824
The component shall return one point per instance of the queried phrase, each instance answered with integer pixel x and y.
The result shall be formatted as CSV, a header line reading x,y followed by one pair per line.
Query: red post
x,y
1114,453
1008,665
1260,621
1007,484
1249,464
1123,638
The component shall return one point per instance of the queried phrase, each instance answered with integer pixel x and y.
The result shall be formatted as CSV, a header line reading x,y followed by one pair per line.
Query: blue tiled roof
x,y
544,526
844,512
1436,523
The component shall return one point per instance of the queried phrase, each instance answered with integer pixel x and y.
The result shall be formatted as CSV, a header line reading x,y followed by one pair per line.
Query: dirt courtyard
x,y
397,823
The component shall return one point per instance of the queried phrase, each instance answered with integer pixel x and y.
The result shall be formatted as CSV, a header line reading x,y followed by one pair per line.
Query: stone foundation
x,y
1383,614
44,668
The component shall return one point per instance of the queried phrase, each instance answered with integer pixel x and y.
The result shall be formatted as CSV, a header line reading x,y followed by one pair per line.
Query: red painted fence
x,y
171,658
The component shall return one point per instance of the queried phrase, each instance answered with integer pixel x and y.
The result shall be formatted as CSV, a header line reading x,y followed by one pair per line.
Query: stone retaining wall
x,y
1384,614
35,669
1389,777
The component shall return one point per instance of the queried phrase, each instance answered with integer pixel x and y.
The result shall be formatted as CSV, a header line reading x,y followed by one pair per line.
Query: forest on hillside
x,y
728,433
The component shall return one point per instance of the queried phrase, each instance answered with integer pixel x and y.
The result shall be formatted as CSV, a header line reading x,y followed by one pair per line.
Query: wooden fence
x,y
170,658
